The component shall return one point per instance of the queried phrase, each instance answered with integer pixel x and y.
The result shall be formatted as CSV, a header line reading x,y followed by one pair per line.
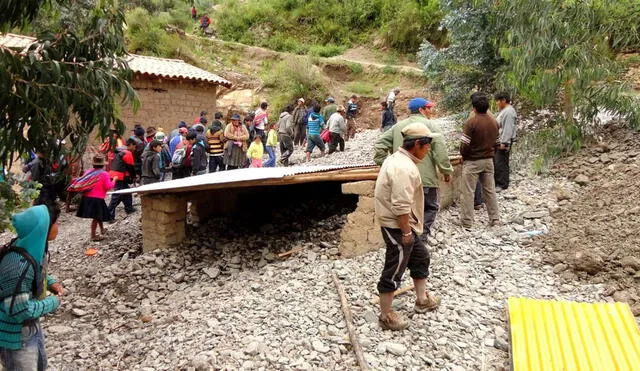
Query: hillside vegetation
x,y
326,27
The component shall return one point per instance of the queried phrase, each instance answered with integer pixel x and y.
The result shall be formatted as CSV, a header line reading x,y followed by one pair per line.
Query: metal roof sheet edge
x,y
249,177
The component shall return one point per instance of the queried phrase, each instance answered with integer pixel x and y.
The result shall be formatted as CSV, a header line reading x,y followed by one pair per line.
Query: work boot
x,y
458,223
428,305
393,322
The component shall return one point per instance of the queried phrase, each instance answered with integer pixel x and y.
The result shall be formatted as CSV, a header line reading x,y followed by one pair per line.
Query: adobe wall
x,y
163,102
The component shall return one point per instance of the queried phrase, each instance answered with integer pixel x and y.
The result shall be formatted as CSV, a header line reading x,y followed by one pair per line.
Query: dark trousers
x,y
300,134
286,148
127,199
180,172
431,207
477,195
216,163
501,168
336,140
399,257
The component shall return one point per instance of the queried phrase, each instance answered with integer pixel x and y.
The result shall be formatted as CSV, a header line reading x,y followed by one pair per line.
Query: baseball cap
x,y
235,117
418,131
330,100
417,103
301,100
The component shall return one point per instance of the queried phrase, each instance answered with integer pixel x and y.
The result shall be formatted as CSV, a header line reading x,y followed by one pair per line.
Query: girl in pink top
x,y
92,205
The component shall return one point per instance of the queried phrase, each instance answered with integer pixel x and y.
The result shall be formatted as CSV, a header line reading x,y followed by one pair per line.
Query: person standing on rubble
x,y
399,205
437,159
285,135
299,122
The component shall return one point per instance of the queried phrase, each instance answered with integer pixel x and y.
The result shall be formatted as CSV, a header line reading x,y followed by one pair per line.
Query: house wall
x,y
163,102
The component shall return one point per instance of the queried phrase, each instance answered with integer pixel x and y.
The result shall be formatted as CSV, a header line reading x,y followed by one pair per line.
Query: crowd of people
x,y
412,153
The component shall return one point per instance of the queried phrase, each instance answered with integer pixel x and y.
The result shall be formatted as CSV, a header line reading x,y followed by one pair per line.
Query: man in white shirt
x,y
391,98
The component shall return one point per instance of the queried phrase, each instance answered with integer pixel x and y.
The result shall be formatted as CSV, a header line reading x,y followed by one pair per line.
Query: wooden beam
x,y
353,335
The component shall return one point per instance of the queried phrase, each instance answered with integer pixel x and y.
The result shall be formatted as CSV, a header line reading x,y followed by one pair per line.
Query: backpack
x,y
177,160
38,283
85,182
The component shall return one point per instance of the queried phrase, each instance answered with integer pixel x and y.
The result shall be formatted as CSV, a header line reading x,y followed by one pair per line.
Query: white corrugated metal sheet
x,y
236,176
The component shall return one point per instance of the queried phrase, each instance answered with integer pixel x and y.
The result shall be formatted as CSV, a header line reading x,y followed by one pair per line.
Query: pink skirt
x,y
256,162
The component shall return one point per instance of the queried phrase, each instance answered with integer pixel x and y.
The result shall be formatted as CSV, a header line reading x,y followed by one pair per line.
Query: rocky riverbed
x,y
225,300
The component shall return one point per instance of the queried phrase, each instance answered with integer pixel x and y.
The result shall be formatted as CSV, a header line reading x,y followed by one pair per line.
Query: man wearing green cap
x,y
399,202
436,160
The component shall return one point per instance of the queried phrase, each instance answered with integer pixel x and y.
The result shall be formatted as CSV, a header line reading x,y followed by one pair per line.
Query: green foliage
x,y
568,57
388,70
12,200
355,67
65,85
326,27
329,50
362,89
146,34
471,60
291,79
541,147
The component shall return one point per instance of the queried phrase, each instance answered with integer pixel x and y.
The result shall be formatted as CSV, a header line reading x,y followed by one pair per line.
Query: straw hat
x,y
98,160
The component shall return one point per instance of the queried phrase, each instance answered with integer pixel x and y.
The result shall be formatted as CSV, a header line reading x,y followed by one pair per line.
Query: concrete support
x,y
361,233
163,221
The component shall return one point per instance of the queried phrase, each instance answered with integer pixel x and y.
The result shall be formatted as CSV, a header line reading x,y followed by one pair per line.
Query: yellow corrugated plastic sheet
x,y
551,335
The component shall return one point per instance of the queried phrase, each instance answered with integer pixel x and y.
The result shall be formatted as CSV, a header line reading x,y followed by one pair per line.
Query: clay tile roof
x,y
172,69
150,66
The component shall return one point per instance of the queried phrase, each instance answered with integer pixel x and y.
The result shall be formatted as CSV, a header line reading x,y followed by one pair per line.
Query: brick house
x,y
170,90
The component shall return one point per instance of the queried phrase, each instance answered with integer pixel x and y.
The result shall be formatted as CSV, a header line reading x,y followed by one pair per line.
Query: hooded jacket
x,y
285,124
150,164
198,157
32,226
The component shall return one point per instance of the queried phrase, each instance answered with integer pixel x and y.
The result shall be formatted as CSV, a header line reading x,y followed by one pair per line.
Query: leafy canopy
x,y
554,54
65,85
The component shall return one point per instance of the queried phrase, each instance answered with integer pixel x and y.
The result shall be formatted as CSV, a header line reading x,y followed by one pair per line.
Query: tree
x,y
567,50
471,60
64,86
554,54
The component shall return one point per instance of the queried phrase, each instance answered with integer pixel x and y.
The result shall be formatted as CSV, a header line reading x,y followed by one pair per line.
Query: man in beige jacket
x,y
399,202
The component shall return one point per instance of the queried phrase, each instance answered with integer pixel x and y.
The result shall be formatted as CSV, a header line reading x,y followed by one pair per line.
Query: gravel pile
x,y
225,300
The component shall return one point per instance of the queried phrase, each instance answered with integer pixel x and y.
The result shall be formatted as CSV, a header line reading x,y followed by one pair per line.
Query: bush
x,y
291,79
332,24
326,51
362,89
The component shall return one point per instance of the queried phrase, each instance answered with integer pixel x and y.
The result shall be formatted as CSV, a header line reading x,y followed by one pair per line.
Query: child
x,y
272,143
256,152
92,205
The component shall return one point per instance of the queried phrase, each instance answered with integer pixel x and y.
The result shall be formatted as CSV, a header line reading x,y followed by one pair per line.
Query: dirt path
x,y
369,58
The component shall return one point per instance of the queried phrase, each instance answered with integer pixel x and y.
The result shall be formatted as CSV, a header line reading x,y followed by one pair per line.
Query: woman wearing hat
x,y
235,148
92,205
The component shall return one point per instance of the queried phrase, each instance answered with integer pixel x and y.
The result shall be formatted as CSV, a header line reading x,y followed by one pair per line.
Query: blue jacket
x,y
32,227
